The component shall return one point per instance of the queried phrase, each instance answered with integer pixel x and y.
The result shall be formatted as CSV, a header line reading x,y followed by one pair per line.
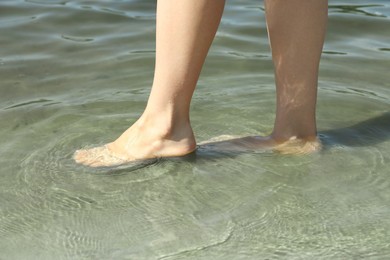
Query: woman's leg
x,y
296,31
185,30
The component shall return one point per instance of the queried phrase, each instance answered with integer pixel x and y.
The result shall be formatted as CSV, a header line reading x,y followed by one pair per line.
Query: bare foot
x,y
298,146
228,143
143,140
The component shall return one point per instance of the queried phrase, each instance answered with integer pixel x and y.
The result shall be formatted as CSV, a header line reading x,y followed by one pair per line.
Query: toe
x,y
97,157
80,156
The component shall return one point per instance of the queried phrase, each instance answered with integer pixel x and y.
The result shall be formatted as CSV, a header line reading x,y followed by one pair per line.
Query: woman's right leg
x,y
296,31
185,30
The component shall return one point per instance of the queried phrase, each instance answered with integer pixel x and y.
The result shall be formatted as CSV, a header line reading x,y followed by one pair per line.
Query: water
x,y
75,73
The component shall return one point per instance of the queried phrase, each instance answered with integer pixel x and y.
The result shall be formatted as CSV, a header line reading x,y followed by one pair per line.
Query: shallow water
x,y
76,73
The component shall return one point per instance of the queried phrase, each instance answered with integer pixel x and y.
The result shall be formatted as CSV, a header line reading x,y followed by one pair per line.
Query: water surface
x,y
77,73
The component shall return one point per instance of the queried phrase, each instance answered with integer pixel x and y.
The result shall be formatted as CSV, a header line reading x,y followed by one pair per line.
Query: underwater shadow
x,y
366,133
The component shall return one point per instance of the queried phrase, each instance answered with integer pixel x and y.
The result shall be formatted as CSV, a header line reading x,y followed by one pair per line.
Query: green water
x,y
76,73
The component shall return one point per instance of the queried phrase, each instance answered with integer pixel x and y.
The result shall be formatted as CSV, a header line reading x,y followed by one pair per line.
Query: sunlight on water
x,y
77,73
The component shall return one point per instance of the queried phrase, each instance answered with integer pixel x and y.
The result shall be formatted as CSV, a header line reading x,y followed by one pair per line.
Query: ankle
x,y
281,137
298,146
294,126
165,125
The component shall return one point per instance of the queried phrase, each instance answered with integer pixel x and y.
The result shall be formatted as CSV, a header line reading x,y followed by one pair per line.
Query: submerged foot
x,y
298,146
227,143
138,143
100,156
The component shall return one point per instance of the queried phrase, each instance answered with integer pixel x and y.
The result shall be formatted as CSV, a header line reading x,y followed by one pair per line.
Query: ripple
x,y
47,2
76,38
334,53
220,241
54,162
246,55
60,201
356,9
42,100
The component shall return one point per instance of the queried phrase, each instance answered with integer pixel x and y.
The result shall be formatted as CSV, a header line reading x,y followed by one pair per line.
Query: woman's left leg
x,y
185,30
